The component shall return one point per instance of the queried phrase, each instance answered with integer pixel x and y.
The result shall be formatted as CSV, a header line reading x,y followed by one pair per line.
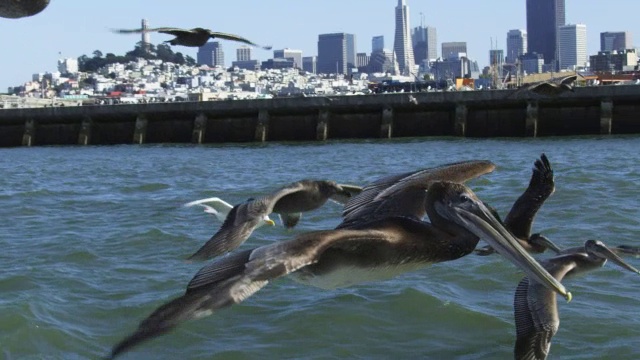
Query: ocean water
x,y
94,239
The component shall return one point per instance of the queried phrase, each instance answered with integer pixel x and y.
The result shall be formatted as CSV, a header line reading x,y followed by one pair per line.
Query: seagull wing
x,y
213,205
349,191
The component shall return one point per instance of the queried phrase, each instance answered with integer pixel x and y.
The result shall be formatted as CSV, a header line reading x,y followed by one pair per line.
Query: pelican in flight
x,y
550,88
195,37
535,307
377,247
288,202
520,218
14,9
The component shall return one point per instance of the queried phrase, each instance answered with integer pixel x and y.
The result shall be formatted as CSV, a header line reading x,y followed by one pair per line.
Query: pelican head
x,y
540,243
596,248
457,203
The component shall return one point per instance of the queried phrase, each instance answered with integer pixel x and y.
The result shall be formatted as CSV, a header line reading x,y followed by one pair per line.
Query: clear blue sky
x,y
76,27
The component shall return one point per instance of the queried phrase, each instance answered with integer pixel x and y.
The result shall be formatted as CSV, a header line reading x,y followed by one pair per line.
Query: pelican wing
x,y
536,318
568,80
404,194
231,279
233,37
541,186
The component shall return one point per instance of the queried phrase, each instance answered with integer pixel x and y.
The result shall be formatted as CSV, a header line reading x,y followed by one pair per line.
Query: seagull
x,y
220,209
289,202
195,37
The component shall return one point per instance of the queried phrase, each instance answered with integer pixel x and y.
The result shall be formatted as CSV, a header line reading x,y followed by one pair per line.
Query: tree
x,y
97,54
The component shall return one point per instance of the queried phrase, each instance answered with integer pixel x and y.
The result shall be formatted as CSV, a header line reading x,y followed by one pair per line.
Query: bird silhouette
x,y
195,37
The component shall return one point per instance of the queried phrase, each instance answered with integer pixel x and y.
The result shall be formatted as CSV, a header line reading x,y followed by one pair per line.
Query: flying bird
x,y
550,88
520,218
289,202
329,258
195,37
220,209
535,308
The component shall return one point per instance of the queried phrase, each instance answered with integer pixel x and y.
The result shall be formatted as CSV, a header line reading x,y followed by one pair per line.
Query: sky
x,y
71,28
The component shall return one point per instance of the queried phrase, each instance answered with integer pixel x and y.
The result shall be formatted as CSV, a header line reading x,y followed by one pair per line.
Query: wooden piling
x,y
322,127
531,119
199,128
140,131
29,132
84,137
460,122
262,126
386,127
606,116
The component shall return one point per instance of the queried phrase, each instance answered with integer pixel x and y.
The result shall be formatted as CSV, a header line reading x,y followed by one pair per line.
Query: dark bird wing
x,y
541,186
231,279
404,194
241,221
233,37
534,329
164,30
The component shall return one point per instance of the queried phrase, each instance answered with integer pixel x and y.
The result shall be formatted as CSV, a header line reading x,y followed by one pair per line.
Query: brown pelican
x,y
195,37
14,9
381,249
520,218
289,202
535,308
553,87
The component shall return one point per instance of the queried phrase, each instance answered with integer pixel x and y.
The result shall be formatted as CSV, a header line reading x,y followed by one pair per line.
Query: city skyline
x,y
38,42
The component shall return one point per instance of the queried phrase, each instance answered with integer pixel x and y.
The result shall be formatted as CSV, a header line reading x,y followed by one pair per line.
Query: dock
x,y
490,113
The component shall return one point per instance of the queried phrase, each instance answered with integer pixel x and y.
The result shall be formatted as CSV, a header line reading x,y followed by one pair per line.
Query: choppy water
x,y
94,238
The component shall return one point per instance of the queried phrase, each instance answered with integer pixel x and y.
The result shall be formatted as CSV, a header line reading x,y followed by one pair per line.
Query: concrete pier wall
x,y
499,113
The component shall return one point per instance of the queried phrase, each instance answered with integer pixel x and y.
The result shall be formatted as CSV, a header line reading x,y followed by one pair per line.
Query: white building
x,y
402,46
516,44
68,65
572,46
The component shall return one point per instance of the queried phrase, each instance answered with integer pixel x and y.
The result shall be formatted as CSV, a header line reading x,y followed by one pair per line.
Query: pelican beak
x,y
627,250
480,221
608,254
546,243
268,221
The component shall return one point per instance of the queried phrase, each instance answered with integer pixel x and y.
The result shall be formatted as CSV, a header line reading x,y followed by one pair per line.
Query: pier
x,y
491,113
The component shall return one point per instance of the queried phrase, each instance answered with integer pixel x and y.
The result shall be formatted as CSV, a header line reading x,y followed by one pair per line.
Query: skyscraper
x,y
516,45
211,54
243,53
309,64
425,43
296,55
453,48
572,46
377,43
619,40
402,41
544,17
336,53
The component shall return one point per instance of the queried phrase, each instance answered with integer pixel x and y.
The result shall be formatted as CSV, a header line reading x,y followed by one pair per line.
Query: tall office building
x,y
211,54
296,55
452,49
425,43
544,17
377,43
516,45
243,53
572,46
336,53
402,41
619,40
496,57
309,64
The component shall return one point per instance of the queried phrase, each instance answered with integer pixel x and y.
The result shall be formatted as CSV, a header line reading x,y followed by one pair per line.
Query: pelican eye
x,y
464,198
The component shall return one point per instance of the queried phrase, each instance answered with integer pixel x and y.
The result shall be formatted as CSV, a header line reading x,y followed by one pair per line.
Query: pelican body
x,y
535,307
382,246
